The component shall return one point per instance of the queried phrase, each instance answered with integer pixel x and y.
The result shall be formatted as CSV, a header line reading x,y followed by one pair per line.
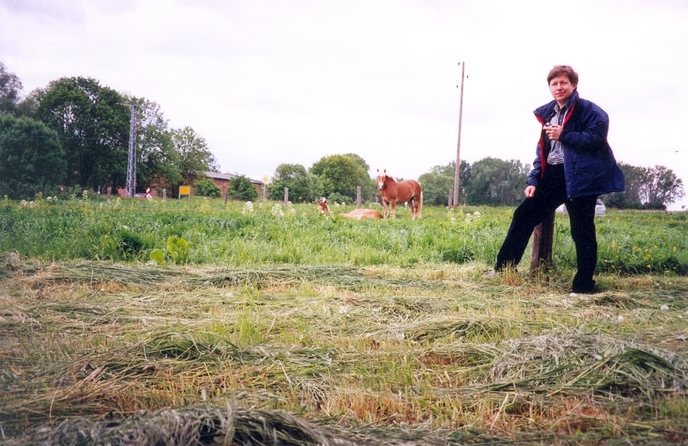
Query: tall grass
x,y
129,230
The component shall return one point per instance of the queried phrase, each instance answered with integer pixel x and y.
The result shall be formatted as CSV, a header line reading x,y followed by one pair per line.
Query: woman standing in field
x,y
574,165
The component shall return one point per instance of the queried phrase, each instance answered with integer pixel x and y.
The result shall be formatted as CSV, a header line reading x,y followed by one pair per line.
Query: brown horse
x,y
392,192
356,214
363,214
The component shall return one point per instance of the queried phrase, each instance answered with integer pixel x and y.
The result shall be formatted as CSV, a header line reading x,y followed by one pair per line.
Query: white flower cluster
x,y
277,210
472,217
247,209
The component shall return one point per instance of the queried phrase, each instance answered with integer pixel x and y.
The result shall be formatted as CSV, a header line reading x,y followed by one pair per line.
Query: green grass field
x,y
135,322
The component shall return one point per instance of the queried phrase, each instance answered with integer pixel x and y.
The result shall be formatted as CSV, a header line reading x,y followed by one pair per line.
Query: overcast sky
x,y
292,81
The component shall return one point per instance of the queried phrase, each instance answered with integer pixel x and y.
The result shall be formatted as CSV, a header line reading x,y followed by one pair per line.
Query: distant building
x,y
222,181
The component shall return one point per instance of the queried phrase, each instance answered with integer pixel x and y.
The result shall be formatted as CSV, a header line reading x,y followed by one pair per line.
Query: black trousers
x,y
549,195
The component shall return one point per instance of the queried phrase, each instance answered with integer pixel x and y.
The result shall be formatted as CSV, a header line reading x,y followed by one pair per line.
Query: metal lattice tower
x,y
131,163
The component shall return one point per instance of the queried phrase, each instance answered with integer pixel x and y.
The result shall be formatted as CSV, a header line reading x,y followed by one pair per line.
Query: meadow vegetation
x,y
151,322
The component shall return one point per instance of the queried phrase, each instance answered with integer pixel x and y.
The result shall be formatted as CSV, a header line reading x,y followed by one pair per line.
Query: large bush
x,y
207,188
241,188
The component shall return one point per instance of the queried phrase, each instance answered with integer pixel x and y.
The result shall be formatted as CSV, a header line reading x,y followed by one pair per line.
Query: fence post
x,y
543,240
286,195
358,197
109,192
451,198
164,194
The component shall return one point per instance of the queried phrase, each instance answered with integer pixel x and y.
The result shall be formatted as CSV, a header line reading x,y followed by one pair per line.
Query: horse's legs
x,y
415,207
384,206
393,205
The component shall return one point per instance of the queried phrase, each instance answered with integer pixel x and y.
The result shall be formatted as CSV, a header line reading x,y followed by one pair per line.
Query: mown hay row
x,y
135,274
217,424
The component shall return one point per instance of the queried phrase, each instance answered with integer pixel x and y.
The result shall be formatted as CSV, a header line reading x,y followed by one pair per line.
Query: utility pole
x,y
131,164
458,142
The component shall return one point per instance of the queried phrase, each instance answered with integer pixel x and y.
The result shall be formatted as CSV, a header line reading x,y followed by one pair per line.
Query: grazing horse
x,y
392,192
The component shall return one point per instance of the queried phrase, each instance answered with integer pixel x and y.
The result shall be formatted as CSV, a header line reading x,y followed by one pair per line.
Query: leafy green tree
x,y
10,88
303,186
205,187
194,158
341,174
368,184
663,188
28,106
636,178
31,158
439,181
93,125
241,188
495,182
647,188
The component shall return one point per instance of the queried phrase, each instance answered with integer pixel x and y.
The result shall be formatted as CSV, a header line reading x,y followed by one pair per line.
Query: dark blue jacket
x,y
589,164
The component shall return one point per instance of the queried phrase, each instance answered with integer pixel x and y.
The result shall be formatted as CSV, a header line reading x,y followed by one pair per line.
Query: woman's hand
x,y
553,131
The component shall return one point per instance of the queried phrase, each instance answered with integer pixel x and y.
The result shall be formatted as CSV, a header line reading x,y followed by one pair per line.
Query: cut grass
x,y
430,354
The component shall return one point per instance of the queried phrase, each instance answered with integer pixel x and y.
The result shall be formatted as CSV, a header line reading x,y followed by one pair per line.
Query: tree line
x,y
487,182
75,133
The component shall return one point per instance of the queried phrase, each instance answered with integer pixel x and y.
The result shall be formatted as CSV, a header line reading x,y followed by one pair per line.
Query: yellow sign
x,y
184,190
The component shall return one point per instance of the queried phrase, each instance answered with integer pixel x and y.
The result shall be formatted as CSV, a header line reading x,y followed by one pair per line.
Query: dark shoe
x,y
581,290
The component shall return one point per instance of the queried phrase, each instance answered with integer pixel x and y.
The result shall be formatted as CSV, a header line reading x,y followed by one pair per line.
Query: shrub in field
x,y
205,187
177,252
240,188
131,243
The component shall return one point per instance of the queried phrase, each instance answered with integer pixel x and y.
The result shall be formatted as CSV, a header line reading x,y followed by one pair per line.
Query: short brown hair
x,y
558,70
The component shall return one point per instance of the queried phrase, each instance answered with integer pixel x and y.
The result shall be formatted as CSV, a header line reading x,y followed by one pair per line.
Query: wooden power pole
x,y
458,142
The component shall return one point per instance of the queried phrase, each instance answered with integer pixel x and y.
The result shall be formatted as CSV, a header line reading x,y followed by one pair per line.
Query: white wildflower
x,y
248,208
277,210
